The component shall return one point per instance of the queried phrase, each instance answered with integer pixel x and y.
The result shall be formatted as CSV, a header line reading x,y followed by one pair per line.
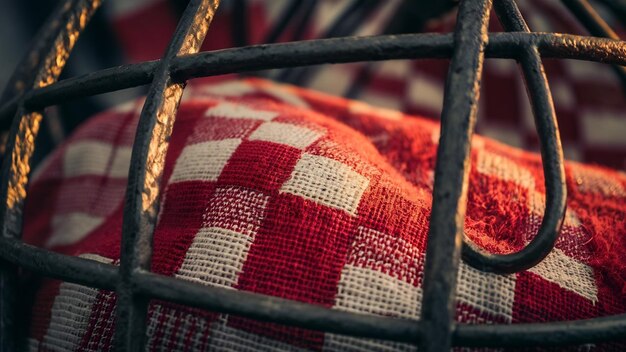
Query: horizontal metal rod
x,y
315,52
561,333
459,113
278,310
390,47
143,191
59,266
98,82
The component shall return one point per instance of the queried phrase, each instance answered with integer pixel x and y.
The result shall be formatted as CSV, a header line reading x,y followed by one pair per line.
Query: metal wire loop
x,y
551,153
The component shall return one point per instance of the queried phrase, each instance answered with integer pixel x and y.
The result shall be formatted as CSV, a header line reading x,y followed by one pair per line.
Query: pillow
x,y
287,192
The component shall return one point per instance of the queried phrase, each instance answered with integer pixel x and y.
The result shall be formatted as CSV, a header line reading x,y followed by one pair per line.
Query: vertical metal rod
x,y
288,14
49,56
304,20
451,171
551,154
510,16
147,161
346,23
594,23
240,23
618,7
590,19
28,70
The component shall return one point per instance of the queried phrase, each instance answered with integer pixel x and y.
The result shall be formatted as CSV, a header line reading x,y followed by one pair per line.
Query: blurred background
x,y
590,98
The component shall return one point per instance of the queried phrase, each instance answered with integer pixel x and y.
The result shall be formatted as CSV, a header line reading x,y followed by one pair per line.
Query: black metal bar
x,y
618,8
565,333
590,19
63,267
510,17
458,117
240,23
313,52
273,309
99,82
596,26
345,24
49,57
276,310
551,153
147,161
133,281
25,74
14,175
287,15
304,20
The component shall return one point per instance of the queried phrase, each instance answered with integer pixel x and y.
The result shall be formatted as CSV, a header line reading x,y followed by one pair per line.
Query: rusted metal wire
x,y
144,178
42,68
272,309
551,153
447,217
134,283
596,26
314,52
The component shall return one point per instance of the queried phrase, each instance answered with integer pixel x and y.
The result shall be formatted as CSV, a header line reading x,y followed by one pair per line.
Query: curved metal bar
x,y
135,284
590,19
618,7
288,14
24,76
73,16
344,24
596,26
447,217
387,47
147,162
313,52
551,153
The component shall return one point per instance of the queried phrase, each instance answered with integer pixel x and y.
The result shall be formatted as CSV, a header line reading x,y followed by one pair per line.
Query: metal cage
x,y
34,87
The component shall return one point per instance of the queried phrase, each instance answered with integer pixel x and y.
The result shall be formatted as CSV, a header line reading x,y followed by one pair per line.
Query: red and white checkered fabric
x,y
287,192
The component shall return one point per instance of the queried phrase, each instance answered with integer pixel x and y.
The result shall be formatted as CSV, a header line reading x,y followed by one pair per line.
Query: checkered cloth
x,y
291,193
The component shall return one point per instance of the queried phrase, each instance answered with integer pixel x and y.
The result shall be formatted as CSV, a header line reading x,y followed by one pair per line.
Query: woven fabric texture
x,y
292,193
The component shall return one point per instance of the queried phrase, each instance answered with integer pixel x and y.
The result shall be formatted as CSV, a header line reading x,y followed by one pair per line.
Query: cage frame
x,y
34,86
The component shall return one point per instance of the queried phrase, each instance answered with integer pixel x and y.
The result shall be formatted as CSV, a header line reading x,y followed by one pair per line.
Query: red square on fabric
x,y
539,300
182,216
260,165
298,254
